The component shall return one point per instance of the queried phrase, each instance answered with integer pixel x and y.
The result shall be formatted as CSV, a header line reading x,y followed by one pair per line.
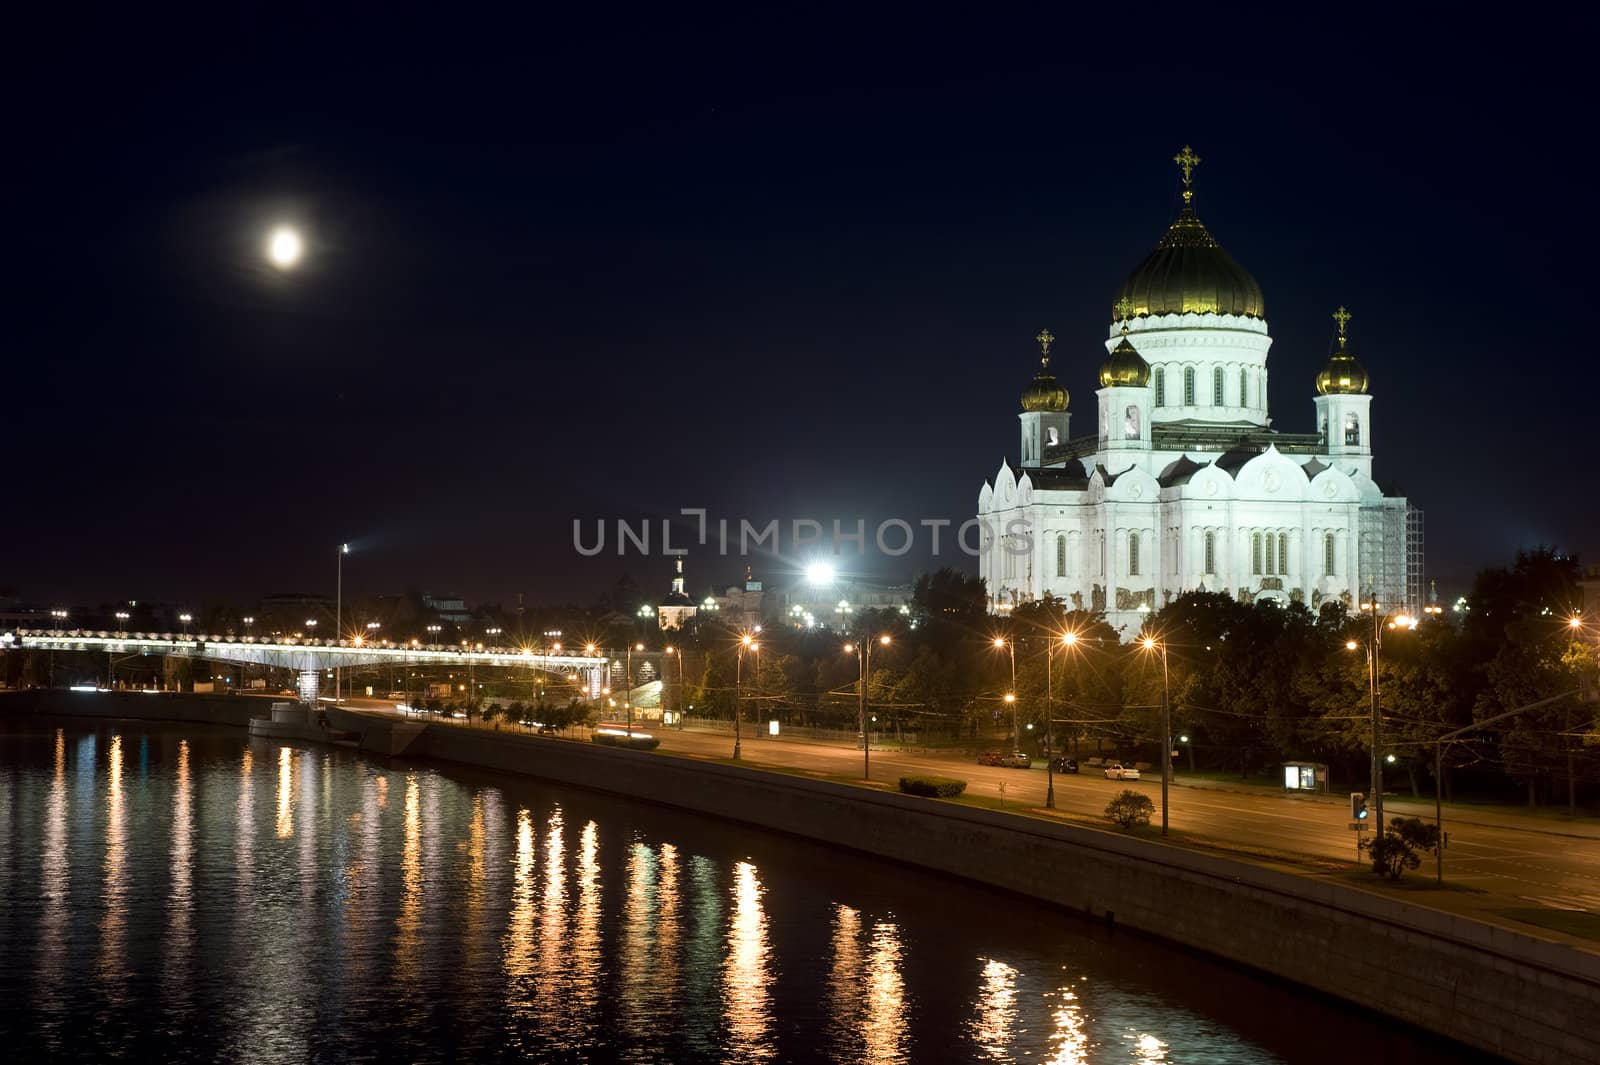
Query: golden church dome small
x,y
1042,393
1124,367
1342,374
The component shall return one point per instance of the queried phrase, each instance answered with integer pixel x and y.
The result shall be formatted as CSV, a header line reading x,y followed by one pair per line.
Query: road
x,y
1527,861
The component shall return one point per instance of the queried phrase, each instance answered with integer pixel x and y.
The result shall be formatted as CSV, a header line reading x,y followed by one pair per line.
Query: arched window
x,y
1188,386
1052,436
1161,386
1255,553
1270,570
1133,554
1211,552
1244,387
1130,423
1283,554
1061,554
1352,430
1217,396
1328,567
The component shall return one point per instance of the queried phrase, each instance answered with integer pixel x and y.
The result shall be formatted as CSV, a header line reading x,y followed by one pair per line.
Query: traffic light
x,y
1358,806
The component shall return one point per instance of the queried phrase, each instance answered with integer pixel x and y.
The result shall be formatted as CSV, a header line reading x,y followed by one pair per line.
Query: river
x,y
186,894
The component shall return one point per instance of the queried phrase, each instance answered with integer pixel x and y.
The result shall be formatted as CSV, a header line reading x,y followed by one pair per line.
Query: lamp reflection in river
x,y
285,793
1069,1042
409,922
552,949
844,985
517,950
746,1007
115,890
1147,1047
585,961
54,884
638,938
883,1029
991,1029
866,1002
180,933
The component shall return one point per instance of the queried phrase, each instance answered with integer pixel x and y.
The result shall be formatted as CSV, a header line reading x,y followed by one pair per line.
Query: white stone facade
x,y
1184,486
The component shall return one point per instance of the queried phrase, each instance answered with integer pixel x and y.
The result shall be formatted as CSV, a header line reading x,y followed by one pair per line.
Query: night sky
x,y
777,267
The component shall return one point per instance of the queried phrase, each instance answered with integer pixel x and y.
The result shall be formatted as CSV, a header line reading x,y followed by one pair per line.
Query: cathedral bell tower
x,y
1125,398
1044,409
1343,407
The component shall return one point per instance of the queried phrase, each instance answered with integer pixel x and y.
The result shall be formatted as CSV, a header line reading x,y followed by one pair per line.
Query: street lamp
x,y
745,641
1395,621
433,632
122,618
1151,644
338,622
863,653
182,618
627,691
1068,640
1011,696
679,655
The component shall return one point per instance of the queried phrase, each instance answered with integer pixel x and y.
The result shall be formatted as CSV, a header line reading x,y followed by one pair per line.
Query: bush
x,y
933,787
1131,810
1396,850
638,742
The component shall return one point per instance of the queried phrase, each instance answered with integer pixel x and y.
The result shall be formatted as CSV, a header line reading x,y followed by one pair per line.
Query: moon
x,y
285,247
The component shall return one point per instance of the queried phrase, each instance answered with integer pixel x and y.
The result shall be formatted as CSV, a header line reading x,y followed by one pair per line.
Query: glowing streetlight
x,y
1150,643
820,573
285,247
1068,640
1002,642
863,653
746,642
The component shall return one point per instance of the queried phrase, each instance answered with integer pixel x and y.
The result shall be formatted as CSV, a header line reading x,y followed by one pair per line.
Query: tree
x,y
1397,849
1131,810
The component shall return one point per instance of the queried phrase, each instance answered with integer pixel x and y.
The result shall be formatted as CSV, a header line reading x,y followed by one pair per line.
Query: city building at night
x,y
1184,485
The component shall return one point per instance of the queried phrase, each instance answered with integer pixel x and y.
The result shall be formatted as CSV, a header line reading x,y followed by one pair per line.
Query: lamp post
x,y
183,619
1151,644
1011,696
745,641
1397,621
122,621
338,623
1068,640
627,691
679,711
863,653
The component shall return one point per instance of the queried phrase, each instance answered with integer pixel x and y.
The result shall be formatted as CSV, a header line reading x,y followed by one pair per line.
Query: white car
x,y
1118,771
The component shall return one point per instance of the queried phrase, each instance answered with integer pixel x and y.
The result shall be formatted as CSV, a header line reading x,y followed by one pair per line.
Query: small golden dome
x,y
1124,366
1342,374
1042,393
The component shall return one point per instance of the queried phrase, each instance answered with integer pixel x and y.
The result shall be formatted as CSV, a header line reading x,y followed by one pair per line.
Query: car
x,y
1062,764
1017,760
1118,771
991,758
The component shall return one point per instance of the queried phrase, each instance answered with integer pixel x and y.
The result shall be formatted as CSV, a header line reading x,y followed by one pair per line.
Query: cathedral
x,y
1184,485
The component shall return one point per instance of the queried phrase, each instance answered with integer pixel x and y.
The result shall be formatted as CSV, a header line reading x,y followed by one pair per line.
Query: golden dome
x,y
1342,374
1042,393
1189,273
1124,366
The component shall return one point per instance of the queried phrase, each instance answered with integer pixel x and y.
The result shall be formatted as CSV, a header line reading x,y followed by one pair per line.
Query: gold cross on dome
x,y
1044,338
1187,161
1342,316
1124,308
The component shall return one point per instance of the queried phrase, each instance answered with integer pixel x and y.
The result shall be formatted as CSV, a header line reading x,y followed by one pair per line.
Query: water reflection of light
x,y
883,1029
746,1008
518,947
552,949
285,793
180,933
409,921
1148,1048
637,952
585,960
667,975
1069,1042
245,841
54,884
473,944
996,1010
114,893
844,985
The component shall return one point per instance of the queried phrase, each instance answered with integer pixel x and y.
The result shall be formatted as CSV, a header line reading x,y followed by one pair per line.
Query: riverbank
x,y
1513,994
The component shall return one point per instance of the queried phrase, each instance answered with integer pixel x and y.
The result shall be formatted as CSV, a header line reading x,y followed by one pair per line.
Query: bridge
x,y
310,659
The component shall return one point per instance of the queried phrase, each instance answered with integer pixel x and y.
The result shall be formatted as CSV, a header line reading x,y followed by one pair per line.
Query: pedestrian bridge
x,y
308,656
